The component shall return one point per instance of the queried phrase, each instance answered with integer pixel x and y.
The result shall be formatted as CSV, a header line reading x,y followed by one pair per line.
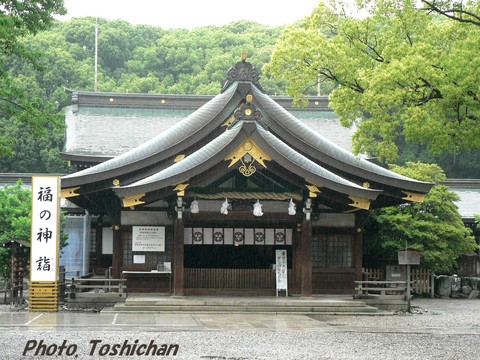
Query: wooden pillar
x,y
117,256
296,260
178,258
117,253
358,246
306,282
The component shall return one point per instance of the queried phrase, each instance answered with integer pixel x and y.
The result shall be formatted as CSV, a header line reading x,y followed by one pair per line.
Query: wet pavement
x,y
428,316
436,329
157,322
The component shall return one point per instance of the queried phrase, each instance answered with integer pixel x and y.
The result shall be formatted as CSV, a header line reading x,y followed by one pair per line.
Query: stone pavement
x,y
437,329
429,316
158,322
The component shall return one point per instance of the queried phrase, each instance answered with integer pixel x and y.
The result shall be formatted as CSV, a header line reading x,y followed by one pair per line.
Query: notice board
x,y
148,238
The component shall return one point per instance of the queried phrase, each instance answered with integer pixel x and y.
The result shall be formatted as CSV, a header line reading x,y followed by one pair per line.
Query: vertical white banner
x,y
281,270
45,228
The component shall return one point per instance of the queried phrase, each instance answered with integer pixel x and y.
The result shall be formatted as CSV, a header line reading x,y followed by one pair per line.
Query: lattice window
x,y
332,251
127,247
93,240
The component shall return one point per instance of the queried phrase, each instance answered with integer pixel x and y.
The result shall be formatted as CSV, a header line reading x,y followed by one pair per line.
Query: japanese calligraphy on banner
x,y
148,238
45,228
281,269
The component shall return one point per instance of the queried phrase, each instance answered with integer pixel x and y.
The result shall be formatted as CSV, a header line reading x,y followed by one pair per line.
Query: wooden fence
x,y
230,278
231,281
421,278
422,281
262,281
373,274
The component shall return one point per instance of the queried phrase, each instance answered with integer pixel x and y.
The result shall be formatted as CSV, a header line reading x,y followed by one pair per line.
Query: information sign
x,y
148,238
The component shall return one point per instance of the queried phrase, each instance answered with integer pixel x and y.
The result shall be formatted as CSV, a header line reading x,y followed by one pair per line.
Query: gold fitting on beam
x,y
179,158
249,98
180,189
410,196
68,193
133,200
116,182
313,190
229,121
360,202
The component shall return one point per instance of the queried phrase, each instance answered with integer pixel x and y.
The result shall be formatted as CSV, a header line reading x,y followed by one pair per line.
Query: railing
x,y
421,279
380,289
78,285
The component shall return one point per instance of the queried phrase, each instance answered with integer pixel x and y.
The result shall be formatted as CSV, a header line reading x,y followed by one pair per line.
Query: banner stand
x,y
43,296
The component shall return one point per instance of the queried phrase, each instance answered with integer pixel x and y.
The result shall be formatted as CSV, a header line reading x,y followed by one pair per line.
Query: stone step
x,y
295,303
242,305
243,309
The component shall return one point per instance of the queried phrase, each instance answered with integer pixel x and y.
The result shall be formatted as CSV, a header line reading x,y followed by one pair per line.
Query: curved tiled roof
x,y
209,136
218,149
301,165
168,143
194,164
285,124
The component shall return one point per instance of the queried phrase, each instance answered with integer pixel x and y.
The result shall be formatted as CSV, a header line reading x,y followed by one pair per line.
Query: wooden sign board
x,y
408,257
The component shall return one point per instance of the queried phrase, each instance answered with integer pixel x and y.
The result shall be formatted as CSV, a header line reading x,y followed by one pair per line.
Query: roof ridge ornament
x,y
243,71
248,111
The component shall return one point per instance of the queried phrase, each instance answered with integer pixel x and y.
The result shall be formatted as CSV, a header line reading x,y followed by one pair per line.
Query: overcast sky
x,y
192,13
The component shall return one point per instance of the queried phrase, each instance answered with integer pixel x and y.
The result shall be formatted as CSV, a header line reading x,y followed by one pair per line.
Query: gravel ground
x,y
436,329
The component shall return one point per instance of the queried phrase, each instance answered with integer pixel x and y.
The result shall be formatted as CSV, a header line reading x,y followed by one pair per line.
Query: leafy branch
x,y
454,13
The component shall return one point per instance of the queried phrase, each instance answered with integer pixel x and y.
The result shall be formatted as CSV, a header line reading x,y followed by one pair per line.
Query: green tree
x,y
461,11
15,210
434,227
17,20
141,59
400,73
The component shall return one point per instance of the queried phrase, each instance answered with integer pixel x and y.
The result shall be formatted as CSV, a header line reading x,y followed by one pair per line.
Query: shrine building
x,y
212,197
